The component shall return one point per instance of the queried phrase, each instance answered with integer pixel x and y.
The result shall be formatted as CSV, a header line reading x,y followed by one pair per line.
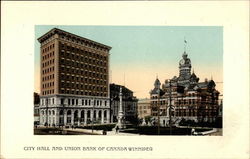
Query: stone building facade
x,y
189,99
74,79
36,108
129,103
144,108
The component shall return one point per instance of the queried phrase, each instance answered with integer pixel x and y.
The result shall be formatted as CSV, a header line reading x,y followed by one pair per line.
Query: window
x,y
62,101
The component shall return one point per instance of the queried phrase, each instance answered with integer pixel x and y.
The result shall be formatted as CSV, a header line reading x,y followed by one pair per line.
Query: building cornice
x,y
67,34
73,96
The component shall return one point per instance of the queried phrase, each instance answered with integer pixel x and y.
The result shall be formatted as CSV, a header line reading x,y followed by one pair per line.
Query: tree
x,y
148,119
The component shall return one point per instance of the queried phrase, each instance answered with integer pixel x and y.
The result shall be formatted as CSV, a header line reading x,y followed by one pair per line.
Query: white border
x,y
17,41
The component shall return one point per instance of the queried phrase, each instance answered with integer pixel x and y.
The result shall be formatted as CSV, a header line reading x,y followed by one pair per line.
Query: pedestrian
x,y
117,129
192,131
104,132
72,127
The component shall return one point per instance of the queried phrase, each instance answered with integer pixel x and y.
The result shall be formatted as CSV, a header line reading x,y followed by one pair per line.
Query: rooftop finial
x,y
185,44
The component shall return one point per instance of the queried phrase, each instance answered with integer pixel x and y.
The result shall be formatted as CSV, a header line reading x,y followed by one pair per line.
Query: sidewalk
x,y
217,133
113,133
99,132
95,132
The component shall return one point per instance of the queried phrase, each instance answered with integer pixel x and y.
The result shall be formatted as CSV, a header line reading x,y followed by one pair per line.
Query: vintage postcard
x,y
125,80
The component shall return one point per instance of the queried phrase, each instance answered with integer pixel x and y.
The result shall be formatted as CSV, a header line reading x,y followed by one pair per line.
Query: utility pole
x,y
170,108
158,105
63,115
110,109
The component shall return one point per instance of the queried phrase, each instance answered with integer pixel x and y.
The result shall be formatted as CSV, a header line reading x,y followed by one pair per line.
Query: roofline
x,y
53,31
121,86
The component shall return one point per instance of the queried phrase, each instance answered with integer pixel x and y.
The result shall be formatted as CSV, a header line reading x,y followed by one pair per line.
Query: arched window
x,y
105,113
99,114
69,112
61,112
82,115
88,114
76,116
94,114
68,116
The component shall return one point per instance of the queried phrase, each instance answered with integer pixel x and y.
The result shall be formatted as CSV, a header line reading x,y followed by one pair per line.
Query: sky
x,y
141,53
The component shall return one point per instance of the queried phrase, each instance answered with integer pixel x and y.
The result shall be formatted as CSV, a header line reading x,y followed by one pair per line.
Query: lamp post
x,y
47,113
62,114
92,125
111,110
170,108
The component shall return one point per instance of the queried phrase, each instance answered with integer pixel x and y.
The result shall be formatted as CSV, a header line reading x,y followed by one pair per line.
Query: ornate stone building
x,y
189,98
74,79
129,103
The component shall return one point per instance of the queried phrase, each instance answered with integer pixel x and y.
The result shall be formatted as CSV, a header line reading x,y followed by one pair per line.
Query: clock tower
x,y
185,65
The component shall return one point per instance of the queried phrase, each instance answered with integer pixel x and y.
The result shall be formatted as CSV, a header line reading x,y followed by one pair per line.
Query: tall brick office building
x,y
74,79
